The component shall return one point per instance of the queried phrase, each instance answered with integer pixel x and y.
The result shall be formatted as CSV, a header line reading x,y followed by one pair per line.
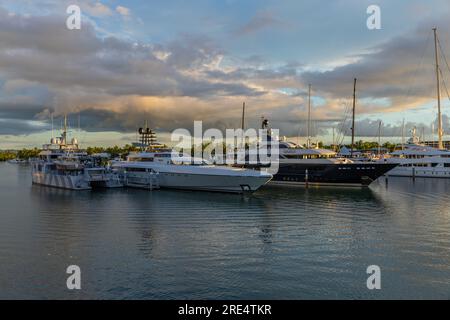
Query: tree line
x,y
116,151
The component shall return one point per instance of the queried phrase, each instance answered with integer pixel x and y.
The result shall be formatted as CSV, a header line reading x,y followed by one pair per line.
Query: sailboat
x,y
416,159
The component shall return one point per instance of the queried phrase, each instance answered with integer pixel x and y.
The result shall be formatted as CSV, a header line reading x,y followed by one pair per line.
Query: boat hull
x,y
337,174
60,181
420,172
215,183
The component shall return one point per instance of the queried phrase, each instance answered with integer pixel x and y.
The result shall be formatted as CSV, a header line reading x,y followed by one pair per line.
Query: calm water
x,y
280,243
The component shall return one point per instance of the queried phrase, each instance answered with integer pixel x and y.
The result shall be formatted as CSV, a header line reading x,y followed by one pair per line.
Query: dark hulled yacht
x,y
299,166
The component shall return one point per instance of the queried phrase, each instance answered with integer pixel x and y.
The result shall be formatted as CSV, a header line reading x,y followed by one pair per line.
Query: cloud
x,y
115,84
124,11
399,71
47,68
96,9
260,21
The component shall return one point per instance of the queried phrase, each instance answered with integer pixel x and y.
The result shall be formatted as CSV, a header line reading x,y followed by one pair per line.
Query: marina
x,y
225,155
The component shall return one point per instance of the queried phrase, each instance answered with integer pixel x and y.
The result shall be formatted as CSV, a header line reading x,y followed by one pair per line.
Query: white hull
x,y
220,179
205,182
420,172
60,181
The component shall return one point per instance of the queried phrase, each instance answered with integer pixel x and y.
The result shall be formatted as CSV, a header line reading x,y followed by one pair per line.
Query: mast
x,y
243,122
440,145
379,137
65,130
353,117
334,147
308,142
243,117
403,134
52,126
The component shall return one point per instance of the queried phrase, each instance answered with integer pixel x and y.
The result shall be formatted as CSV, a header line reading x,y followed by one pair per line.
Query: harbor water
x,y
279,243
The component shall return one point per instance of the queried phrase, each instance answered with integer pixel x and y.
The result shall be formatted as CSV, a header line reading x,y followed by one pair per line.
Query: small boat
x,y
18,161
103,177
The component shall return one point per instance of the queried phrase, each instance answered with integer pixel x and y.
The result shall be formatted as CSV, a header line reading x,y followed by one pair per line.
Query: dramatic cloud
x,y
394,76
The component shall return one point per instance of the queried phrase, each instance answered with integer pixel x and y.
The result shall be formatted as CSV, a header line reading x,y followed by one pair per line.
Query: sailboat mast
x,y
243,121
308,142
353,117
379,137
403,134
440,145
65,129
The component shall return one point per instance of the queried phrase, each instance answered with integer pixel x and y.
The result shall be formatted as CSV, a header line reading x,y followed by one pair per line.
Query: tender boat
x,y
18,161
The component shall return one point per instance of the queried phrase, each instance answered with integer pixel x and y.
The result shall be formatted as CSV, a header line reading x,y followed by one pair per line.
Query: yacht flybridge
x,y
181,172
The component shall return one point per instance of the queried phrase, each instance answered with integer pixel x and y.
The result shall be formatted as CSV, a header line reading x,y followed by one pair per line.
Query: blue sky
x,y
174,62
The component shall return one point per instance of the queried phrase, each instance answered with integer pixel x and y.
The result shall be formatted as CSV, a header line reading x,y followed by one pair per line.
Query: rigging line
x,y
446,63
414,78
342,123
342,130
442,54
445,85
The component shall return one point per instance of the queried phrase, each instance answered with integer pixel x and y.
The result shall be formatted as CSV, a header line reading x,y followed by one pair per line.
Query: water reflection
x,y
278,243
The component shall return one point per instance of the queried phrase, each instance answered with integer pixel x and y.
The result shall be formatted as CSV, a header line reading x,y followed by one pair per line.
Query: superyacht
x,y
62,164
182,172
300,166
418,160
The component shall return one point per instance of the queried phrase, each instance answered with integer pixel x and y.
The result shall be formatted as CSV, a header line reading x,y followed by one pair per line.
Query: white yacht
x,y
62,164
57,168
181,172
418,160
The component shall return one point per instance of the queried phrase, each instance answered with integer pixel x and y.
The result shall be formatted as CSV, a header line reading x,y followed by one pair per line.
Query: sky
x,y
173,62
